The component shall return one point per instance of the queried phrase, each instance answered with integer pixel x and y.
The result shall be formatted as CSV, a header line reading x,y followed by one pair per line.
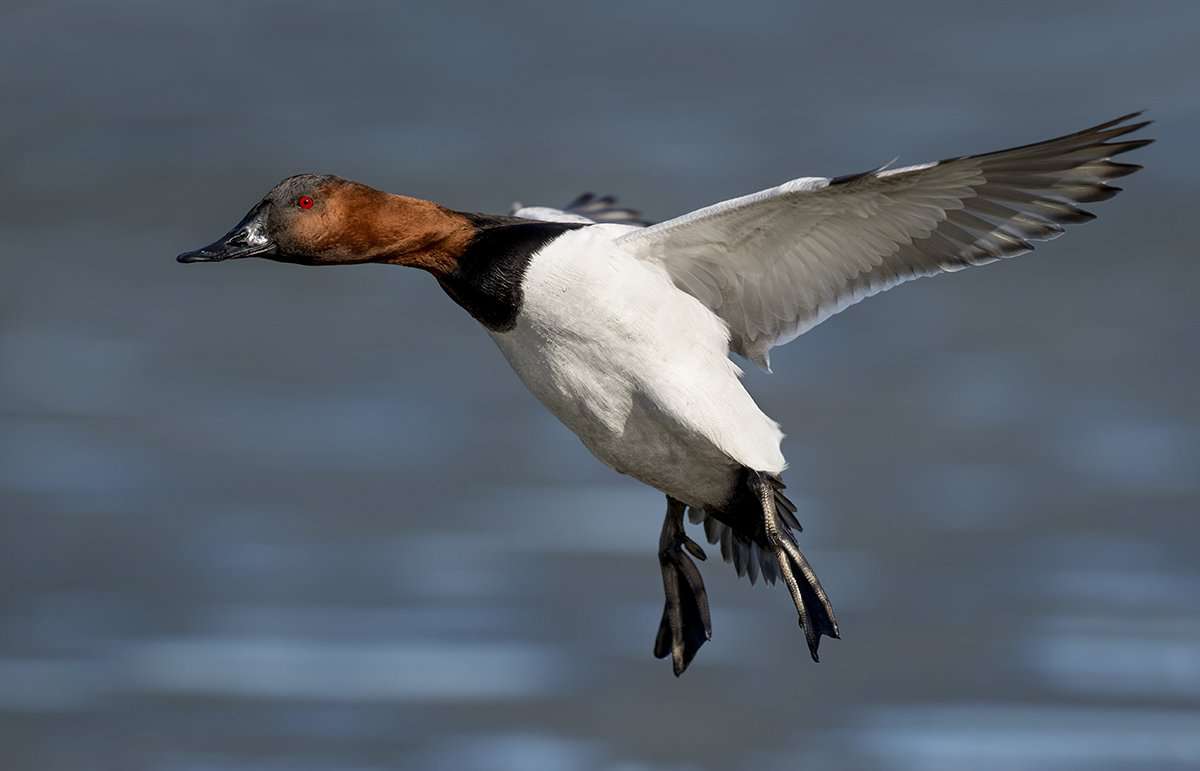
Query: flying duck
x,y
624,330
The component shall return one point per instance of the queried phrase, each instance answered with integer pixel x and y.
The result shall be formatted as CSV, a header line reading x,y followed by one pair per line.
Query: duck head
x,y
313,219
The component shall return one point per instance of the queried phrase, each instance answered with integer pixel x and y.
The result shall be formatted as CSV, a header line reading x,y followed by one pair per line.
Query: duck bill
x,y
247,239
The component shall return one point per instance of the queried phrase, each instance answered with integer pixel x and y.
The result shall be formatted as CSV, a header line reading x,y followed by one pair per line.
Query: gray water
x,y
255,516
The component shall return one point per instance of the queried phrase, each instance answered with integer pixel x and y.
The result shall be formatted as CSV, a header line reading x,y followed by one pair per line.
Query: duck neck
x,y
419,234
486,279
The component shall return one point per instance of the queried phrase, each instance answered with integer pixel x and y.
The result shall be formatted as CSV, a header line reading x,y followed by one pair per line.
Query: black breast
x,y
487,281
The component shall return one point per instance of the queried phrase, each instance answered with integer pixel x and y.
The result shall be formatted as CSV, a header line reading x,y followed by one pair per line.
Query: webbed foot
x,y
686,623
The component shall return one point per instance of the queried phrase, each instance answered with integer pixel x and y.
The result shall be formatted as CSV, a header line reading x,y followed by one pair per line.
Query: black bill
x,y
247,239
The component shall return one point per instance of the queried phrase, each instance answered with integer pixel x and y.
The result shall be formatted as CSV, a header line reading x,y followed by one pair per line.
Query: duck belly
x,y
638,370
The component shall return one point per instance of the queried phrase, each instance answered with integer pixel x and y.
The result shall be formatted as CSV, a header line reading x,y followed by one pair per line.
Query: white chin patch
x,y
256,235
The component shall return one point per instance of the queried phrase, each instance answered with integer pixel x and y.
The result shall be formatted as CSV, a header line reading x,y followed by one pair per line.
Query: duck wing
x,y
776,263
587,209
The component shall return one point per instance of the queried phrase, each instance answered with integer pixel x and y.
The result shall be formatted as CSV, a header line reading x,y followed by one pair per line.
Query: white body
x,y
637,368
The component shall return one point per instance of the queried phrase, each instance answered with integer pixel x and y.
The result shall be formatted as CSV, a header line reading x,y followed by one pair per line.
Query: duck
x,y
626,330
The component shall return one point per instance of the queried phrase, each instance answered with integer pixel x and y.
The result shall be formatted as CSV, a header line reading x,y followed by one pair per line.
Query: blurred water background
x,y
256,516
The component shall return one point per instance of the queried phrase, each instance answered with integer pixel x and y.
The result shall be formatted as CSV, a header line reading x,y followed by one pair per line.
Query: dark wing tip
x,y
604,209
1094,136
1121,124
1116,148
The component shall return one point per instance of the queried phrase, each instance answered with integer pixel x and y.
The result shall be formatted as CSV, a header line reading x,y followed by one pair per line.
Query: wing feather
x,y
586,209
775,263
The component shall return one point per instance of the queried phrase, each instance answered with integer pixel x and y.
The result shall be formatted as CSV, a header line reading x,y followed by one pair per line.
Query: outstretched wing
x,y
776,263
586,209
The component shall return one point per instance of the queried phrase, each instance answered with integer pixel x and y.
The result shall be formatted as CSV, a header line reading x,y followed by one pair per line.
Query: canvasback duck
x,y
623,330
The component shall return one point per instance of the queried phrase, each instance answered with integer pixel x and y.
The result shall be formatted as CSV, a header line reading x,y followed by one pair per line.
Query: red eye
x,y
304,202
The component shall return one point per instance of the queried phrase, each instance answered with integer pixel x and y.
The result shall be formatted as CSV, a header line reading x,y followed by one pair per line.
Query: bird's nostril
x,y
238,239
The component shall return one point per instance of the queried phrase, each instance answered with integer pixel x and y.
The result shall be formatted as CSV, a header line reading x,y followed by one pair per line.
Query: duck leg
x,y
812,604
685,624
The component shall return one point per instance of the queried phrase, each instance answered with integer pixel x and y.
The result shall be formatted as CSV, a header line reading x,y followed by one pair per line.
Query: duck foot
x,y
812,604
686,624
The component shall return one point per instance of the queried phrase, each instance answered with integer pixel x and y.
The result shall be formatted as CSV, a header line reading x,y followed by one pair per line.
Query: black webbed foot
x,y
811,601
686,624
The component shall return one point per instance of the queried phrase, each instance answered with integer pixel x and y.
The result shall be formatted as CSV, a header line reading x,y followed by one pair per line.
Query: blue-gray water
x,y
255,516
